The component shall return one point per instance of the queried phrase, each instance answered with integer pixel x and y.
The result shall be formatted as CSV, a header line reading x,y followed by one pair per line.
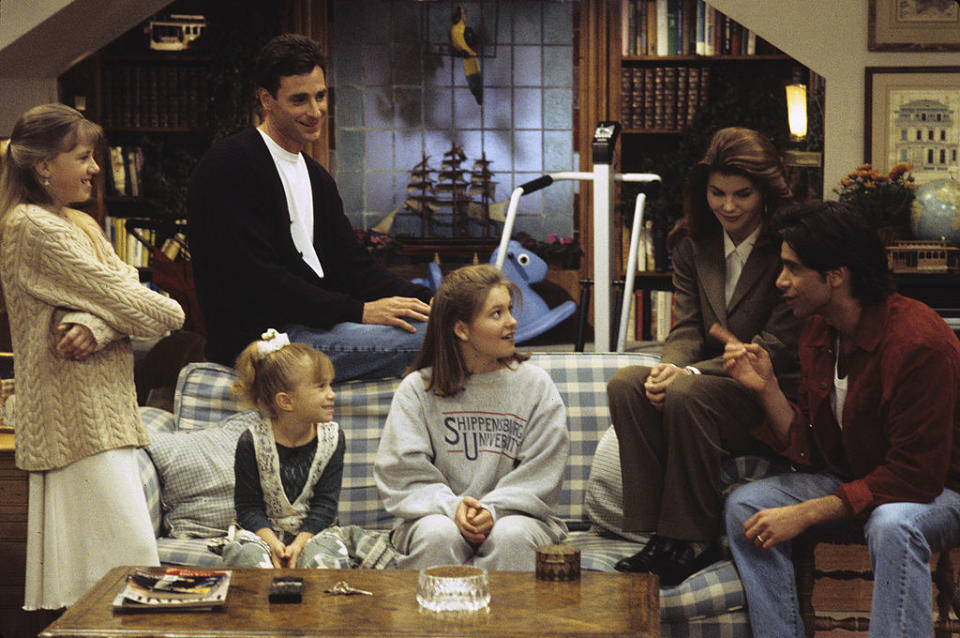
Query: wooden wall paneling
x,y
594,49
311,18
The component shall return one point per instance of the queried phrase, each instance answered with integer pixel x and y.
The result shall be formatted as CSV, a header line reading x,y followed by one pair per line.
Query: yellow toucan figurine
x,y
464,41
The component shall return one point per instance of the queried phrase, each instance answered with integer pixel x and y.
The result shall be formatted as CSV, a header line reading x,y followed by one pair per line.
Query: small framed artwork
x,y
912,114
914,25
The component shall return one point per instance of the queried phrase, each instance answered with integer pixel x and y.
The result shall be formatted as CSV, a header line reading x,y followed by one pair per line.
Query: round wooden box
x,y
558,562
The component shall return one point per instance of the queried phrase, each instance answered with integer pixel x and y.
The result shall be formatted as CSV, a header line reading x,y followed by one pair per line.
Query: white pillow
x,y
604,500
196,476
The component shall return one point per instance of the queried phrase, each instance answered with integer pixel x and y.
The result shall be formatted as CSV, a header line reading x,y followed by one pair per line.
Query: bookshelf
x,y
668,53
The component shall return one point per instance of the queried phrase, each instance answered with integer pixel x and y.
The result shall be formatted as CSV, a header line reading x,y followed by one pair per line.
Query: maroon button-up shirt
x,y
900,440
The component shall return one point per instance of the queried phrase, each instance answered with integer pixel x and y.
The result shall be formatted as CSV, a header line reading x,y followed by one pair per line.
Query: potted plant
x,y
377,244
883,198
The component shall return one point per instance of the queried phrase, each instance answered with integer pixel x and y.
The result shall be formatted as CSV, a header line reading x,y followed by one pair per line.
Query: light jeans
x,y
900,536
363,351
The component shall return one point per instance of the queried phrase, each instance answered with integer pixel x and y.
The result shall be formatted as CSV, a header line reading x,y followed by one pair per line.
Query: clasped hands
x,y
285,555
77,341
473,520
391,311
660,377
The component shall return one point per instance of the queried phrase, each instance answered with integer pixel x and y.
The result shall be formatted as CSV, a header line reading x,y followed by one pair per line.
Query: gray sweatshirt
x,y
502,440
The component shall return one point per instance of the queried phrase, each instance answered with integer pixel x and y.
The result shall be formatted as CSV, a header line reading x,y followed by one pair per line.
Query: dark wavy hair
x,y
285,55
831,235
732,151
460,297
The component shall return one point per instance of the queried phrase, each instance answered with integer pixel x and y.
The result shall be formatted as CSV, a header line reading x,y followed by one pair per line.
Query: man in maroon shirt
x,y
875,433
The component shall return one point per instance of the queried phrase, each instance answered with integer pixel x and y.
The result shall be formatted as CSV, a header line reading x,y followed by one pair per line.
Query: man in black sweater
x,y
272,247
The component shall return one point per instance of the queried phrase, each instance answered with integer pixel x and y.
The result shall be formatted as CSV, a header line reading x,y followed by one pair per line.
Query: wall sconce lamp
x,y
797,111
797,120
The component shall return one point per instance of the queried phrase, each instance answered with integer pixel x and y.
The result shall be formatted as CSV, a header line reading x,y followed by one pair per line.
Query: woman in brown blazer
x,y
677,421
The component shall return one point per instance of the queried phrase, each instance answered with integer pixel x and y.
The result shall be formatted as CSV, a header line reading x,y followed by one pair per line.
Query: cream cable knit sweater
x,y
66,409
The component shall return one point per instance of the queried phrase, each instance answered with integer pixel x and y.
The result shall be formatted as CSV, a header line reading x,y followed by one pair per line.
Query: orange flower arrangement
x,y
884,198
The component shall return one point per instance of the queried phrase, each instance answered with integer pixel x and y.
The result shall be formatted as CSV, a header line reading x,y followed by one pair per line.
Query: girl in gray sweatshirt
x,y
472,455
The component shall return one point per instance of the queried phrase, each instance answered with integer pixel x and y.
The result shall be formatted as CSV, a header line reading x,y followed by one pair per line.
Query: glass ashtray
x,y
453,588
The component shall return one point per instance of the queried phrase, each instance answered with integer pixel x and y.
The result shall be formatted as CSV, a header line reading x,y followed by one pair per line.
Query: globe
x,y
935,212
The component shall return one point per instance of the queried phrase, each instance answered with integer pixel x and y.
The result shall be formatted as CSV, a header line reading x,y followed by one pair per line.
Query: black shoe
x,y
680,563
647,559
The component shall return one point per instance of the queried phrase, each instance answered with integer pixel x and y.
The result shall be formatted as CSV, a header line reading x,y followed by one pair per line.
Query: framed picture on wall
x,y
914,25
912,115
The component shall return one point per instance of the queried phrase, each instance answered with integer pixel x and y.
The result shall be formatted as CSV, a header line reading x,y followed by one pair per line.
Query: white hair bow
x,y
271,341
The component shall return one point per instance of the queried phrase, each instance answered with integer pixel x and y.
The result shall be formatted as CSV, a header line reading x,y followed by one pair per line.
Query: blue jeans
x,y
363,351
900,536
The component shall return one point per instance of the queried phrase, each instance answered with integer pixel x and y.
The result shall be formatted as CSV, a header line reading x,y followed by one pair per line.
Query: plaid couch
x,y
189,468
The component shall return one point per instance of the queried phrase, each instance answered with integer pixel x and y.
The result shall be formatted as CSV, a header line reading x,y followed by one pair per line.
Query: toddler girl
x,y
289,464
473,451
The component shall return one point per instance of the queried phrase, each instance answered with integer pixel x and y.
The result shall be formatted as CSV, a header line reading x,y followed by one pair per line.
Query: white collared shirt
x,y
296,185
736,257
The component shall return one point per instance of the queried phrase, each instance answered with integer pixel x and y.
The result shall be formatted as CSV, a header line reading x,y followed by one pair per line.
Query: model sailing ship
x,y
454,200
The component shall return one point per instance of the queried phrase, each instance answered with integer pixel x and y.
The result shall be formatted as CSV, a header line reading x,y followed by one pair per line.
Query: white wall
x,y
830,37
19,94
40,39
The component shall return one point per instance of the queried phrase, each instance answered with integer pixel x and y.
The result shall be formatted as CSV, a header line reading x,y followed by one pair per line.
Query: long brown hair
x,y
42,133
459,298
732,151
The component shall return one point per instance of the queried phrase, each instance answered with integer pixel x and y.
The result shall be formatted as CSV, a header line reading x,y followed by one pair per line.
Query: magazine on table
x,y
173,588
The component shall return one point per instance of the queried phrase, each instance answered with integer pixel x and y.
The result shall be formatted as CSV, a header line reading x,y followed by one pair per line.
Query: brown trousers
x,y
670,460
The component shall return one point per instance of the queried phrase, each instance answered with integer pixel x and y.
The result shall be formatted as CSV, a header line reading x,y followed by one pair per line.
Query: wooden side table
x,y
14,622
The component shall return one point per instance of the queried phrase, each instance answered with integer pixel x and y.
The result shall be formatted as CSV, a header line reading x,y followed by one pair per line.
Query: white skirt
x,y
83,520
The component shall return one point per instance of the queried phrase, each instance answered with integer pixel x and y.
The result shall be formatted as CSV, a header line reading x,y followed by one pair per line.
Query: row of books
x,y
154,96
663,97
124,175
661,315
127,246
683,27
136,252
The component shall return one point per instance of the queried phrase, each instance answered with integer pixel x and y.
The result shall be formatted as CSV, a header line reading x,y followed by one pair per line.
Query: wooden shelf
x,y
707,59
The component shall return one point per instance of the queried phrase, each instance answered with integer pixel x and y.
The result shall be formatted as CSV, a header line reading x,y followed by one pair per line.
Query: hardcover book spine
x,y
709,28
659,98
651,27
670,98
682,88
701,46
663,44
649,95
693,94
626,96
637,99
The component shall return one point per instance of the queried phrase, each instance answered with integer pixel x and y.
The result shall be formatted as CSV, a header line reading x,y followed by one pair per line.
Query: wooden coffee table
x,y
599,604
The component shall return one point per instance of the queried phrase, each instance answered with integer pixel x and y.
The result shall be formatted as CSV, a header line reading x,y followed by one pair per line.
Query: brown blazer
x,y
756,312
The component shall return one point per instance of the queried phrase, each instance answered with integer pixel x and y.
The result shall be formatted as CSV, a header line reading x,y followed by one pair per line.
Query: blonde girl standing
x,y
73,304
289,464
472,455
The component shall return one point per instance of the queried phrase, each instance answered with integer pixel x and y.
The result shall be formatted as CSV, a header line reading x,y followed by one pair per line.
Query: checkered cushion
x,y
203,396
582,379
196,476
362,408
154,420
